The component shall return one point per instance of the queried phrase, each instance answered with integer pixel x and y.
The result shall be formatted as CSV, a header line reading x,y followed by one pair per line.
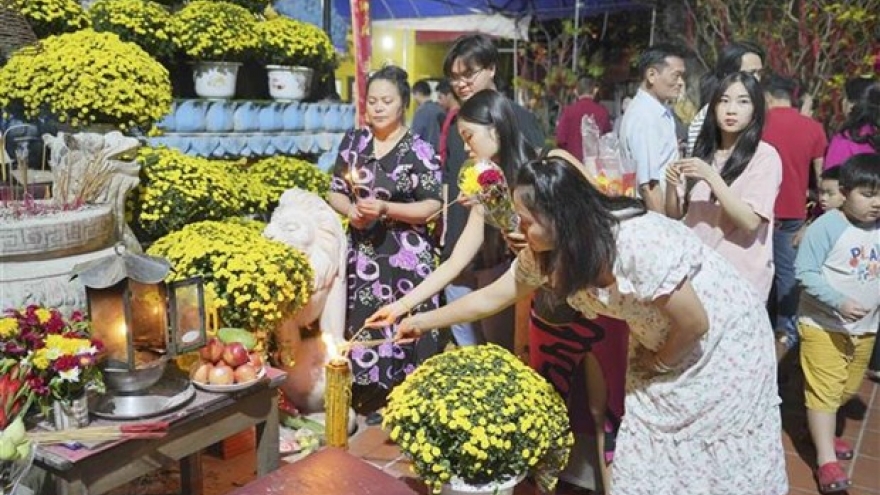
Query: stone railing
x,y
239,128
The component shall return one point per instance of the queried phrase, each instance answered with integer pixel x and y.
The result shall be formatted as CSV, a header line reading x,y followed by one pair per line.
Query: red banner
x,y
360,27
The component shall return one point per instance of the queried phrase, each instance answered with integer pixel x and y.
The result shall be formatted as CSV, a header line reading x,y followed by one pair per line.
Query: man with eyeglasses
x,y
470,66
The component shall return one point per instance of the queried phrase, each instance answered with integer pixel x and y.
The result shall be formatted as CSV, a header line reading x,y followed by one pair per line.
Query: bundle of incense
x,y
156,429
365,343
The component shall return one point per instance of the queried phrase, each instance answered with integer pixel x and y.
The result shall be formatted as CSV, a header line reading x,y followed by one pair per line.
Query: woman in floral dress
x,y
387,182
702,409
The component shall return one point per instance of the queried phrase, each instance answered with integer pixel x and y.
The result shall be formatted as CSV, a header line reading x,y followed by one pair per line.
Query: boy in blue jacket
x,y
838,266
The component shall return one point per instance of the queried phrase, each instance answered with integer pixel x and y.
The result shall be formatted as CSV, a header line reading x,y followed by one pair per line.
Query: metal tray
x,y
168,394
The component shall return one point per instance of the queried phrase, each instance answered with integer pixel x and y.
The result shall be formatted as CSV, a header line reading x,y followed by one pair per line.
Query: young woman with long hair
x,y
702,408
727,191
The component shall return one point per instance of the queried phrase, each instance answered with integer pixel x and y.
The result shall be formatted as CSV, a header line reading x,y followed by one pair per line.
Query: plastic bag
x,y
616,173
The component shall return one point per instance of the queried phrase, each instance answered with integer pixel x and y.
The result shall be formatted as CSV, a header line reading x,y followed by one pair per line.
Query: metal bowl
x,y
124,380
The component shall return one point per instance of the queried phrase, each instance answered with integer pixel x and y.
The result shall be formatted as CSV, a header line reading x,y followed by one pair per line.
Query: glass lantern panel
x,y
107,313
187,315
149,321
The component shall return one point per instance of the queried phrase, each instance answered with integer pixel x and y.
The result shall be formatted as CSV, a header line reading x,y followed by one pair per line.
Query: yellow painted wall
x,y
398,47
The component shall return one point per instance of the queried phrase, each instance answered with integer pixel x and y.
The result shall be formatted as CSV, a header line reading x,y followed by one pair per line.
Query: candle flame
x,y
330,346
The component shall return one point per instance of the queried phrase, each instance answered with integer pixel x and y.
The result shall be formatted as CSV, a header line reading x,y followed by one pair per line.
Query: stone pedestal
x,y
38,253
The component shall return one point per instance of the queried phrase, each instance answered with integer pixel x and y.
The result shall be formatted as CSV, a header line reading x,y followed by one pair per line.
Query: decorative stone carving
x,y
41,242
89,168
60,234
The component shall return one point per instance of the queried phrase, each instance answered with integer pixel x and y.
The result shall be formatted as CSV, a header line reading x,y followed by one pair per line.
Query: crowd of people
x,y
661,317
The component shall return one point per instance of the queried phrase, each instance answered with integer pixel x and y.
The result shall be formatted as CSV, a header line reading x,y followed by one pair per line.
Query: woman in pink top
x,y
861,131
727,191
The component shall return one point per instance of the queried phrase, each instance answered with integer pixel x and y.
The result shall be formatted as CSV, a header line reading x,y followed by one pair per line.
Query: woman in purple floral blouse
x,y
387,182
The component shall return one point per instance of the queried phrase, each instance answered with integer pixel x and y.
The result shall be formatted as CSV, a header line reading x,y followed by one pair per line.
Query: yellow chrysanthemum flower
x,y
464,408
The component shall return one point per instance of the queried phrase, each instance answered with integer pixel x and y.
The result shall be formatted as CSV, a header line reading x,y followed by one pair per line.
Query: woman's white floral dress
x,y
712,426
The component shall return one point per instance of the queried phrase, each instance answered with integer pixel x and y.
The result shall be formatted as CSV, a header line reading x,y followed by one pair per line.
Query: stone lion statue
x,y
305,221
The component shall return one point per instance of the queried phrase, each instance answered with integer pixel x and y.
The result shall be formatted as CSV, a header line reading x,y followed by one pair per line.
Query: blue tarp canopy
x,y
538,9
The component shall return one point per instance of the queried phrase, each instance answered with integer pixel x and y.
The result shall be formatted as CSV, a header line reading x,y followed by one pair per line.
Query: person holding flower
x,y
562,341
387,182
702,408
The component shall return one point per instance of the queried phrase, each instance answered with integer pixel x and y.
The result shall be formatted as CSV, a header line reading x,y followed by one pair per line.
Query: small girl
x,y
726,192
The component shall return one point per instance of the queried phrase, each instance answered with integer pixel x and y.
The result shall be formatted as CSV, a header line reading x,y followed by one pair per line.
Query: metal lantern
x,y
139,318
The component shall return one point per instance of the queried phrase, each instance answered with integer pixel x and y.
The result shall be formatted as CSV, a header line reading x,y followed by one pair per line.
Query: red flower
x,y
55,323
490,177
38,385
65,363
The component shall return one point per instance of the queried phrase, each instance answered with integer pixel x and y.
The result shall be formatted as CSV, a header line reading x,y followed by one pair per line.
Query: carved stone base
x,y
45,282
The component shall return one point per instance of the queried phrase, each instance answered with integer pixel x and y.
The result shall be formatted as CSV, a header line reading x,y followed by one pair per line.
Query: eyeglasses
x,y
465,79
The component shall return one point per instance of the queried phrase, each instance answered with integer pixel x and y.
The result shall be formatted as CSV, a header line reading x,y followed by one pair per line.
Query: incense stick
x,y
443,209
97,433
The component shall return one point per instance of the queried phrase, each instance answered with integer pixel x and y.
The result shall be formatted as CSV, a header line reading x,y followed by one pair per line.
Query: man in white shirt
x,y
647,131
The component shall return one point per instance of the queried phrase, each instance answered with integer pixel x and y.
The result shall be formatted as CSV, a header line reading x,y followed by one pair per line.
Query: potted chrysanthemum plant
x,y
84,79
292,51
477,418
217,37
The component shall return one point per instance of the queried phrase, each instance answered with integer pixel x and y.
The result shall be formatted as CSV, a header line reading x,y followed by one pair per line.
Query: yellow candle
x,y
337,399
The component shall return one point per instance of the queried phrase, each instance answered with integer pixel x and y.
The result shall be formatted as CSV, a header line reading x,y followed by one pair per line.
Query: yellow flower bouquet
x,y
485,182
285,41
48,17
85,78
177,189
252,282
478,414
142,22
215,31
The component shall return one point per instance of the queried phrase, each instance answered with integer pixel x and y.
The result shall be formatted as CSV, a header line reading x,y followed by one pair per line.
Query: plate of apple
x,y
228,363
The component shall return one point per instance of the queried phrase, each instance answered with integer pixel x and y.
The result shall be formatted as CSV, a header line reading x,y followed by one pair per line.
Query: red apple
x,y
221,375
213,350
257,361
235,354
201,371
245,373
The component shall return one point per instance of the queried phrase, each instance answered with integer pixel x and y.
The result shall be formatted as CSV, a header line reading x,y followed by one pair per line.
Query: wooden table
x,y
330,471
206,420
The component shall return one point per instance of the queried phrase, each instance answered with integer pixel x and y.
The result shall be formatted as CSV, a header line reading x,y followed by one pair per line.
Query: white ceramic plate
x,y
231,388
